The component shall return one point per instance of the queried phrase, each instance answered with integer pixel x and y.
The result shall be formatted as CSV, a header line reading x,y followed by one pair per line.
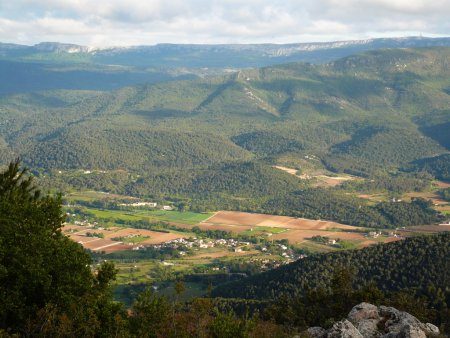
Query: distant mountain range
x,y
208,56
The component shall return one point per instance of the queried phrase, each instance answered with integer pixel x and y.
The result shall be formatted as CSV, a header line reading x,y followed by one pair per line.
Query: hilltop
x,y
212,56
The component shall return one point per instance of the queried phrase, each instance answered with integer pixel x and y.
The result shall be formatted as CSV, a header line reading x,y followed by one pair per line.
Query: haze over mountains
x,y
214,56
66,66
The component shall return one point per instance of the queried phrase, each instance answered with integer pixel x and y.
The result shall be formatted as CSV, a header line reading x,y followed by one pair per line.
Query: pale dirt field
x,y
83,239
100,244
298,229
322,180
124,232
428,196
115,248
106,232
225,227
108,245
426,228
443,208
442,185
373,197
234,219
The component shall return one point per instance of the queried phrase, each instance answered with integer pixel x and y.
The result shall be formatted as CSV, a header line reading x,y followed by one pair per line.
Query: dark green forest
x,y
361,114
320,287
415,263
438,166
254,187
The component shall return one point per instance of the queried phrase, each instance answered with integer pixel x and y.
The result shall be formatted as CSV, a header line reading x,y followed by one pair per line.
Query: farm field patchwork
x,y
426,229
156,246
116,239
297,231
172,216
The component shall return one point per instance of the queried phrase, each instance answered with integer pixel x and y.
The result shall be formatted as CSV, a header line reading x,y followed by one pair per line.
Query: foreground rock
x,y
369,321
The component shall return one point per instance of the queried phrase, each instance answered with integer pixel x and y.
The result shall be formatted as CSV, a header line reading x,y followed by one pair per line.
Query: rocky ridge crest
x,y
369,321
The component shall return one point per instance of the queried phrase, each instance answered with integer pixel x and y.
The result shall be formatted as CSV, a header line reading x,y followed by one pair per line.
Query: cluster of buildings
x,y
146,204
376,234
185,244
189,243
86,223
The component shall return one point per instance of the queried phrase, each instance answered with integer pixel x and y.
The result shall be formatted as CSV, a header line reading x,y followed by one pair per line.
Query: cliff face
x,y
369,321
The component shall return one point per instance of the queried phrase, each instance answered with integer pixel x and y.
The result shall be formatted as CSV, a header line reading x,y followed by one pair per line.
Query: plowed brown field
x,y
297,229
107,244
234,220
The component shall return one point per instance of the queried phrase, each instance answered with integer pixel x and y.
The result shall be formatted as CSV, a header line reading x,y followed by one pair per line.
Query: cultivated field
x,y
175,217
234,219
426,229
433,196
445,209
295,229
320,180
442,185
115,238
297,236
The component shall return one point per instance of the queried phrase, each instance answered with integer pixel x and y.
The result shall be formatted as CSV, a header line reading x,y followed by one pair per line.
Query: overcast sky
x,y
146,22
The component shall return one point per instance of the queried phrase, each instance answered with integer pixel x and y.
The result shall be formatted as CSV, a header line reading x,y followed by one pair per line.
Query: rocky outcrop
x,y
369,321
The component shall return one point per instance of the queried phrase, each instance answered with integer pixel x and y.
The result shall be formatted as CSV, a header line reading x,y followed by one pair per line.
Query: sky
x,y
146,22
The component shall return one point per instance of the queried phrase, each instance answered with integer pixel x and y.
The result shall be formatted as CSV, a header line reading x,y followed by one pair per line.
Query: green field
x,y
182,217
259,230
185,217
134,240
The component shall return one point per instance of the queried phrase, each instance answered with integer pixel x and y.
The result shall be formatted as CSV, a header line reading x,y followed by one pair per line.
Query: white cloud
x,y
120,22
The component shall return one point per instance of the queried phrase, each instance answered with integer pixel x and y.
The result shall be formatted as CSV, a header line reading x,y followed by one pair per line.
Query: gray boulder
x,y
363,311
343,329
317,332
365,318
402,324
369,321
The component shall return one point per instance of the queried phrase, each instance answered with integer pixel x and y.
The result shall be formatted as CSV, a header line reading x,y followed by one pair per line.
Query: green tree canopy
x,y
39,266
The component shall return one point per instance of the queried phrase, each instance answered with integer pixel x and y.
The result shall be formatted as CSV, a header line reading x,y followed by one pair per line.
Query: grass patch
x,y
133,240
261,230
186,217
316,247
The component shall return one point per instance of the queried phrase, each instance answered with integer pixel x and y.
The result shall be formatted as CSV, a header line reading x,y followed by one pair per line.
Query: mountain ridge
x,y
211,55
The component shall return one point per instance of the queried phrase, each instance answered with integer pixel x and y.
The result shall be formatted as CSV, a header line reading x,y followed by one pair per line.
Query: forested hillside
x,y
438,166
29,76
212,142
419,263
360,114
